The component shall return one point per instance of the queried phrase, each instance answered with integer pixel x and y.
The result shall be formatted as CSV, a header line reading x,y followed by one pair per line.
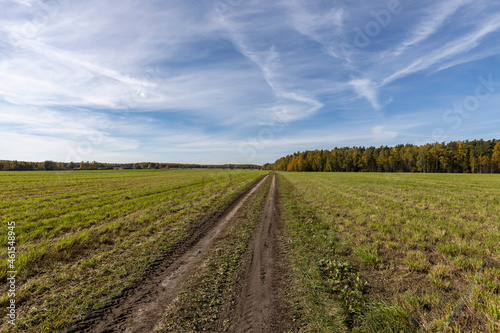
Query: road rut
x,y
140,309
258,308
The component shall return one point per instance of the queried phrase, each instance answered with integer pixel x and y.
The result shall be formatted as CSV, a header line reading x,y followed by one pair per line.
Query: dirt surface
x,y
140,308
259,307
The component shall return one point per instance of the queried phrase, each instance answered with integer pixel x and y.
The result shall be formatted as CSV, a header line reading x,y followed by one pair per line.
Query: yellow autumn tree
x,y
495,158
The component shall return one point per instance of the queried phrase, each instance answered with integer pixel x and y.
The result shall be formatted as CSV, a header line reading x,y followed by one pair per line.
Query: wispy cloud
x,y
438,14
321,26
456,47
267,58
365,88
177,80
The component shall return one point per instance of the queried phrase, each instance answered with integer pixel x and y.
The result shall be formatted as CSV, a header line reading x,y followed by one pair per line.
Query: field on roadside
x,y
359,252
82,237
376,252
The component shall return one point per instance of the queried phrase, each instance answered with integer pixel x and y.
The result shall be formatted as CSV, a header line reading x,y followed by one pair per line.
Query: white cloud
x,y
381,135
366,89
323,27
438,14
456,47
299,104
197,78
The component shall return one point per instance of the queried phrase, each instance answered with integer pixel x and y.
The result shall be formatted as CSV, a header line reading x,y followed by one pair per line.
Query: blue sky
x,y
242,81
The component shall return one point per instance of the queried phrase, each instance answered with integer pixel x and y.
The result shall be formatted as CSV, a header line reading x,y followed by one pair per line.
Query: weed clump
x,y
342,280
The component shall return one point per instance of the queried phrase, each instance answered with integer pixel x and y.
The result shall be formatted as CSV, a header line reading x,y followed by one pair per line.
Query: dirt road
x,y
258,308
141,308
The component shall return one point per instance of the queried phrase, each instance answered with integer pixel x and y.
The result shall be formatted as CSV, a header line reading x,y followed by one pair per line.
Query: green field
x,y
83,236
365,252
377,252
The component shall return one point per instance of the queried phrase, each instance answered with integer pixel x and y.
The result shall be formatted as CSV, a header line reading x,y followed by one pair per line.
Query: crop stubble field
x,y
378,252
360,252
82,237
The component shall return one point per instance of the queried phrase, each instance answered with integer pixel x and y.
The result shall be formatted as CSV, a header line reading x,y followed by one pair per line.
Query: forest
x,y
7,165
477,156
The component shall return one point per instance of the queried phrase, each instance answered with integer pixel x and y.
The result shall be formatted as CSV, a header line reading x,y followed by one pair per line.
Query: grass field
x,y
379,252
82,237
361,252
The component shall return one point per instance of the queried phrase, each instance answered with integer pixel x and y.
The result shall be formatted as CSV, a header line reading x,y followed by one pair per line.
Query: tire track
x,y
258,307
142,307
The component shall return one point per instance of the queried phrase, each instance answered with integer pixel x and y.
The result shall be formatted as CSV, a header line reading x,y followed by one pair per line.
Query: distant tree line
x,y
51,165
477,156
